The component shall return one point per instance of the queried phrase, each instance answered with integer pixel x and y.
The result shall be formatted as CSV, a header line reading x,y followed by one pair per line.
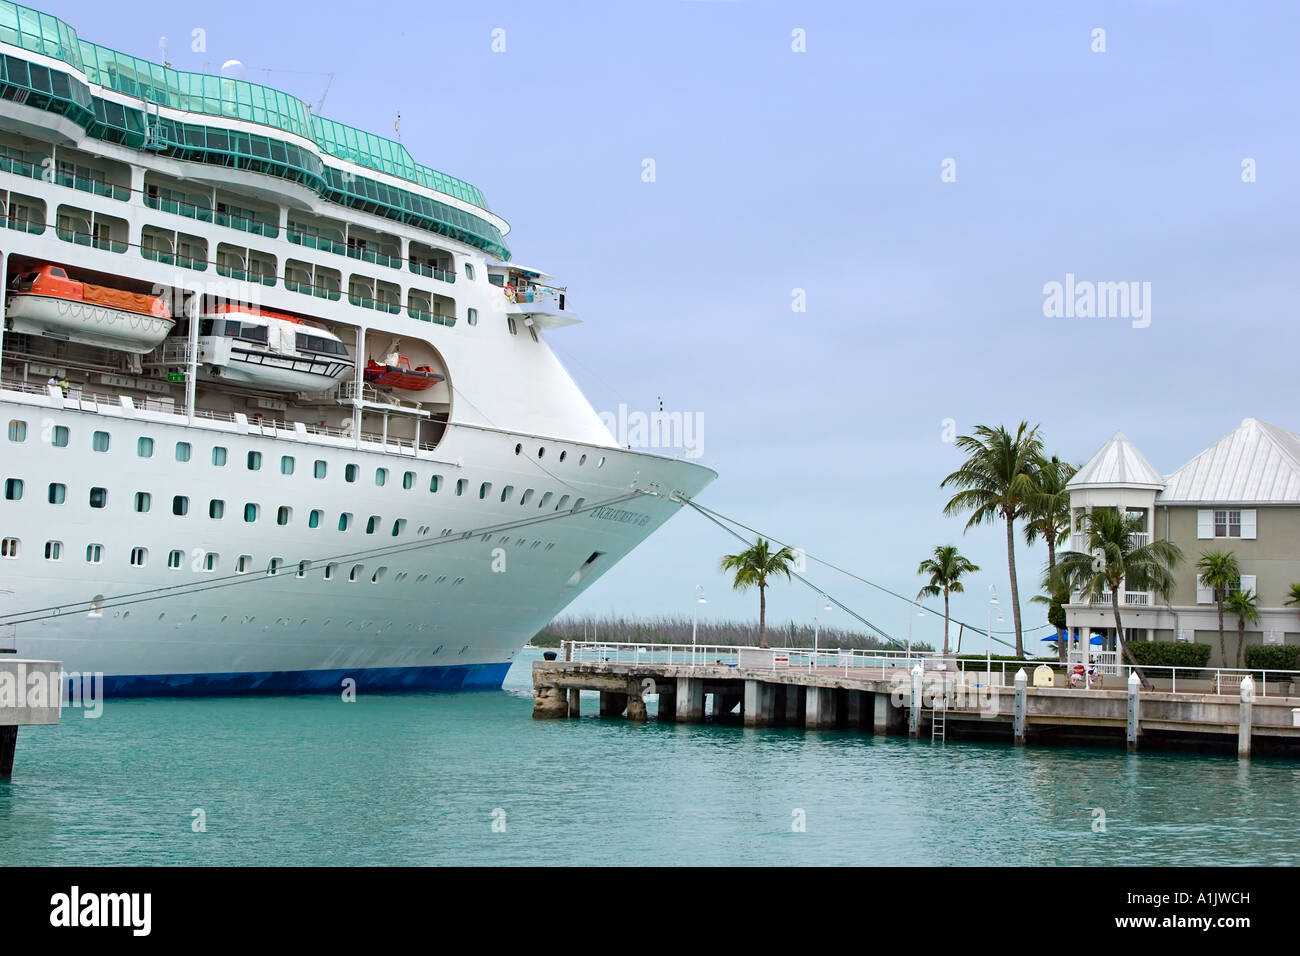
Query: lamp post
x,y
816,625
695,616
988,653
920,613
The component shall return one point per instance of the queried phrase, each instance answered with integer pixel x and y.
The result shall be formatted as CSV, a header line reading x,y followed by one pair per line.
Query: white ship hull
x,y
69,320
449,613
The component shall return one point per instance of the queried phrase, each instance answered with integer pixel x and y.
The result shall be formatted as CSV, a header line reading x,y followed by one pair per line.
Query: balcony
x,y
255,226
1127,599
179,207
1139,539
379,305
429,272
89,184
316,242
544,305
378,258
243,275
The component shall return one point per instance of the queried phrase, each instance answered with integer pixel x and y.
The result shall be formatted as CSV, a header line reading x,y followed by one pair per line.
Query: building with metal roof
x,y
1241,494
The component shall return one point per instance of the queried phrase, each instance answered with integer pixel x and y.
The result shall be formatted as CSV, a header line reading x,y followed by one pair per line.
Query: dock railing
x,y
858,661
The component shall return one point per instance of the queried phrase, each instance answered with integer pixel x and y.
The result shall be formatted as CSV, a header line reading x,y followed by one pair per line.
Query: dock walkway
x,y
895,693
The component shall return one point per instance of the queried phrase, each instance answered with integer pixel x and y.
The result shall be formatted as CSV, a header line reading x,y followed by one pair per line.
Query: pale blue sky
x,y
821,170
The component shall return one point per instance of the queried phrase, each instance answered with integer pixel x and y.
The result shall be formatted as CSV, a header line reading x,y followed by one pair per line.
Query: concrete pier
x,y
690,700
898,700
30,695
760,698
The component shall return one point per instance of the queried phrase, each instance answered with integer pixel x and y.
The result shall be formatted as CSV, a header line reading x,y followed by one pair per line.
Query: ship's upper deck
x,y
302,156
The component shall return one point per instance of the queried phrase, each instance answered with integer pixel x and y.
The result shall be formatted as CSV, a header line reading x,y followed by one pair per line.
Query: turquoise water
x,y
416,779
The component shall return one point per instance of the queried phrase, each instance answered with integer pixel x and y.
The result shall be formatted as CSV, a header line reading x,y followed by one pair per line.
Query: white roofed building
x,y
1242,494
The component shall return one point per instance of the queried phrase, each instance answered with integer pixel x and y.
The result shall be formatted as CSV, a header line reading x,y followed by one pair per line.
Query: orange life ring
x,y
510,292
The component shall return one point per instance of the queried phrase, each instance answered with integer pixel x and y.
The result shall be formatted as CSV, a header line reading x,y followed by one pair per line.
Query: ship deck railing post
x,y
191,309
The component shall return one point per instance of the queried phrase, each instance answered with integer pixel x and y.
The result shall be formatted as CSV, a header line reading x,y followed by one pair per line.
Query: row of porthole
x,y
142,503
541,453
145,446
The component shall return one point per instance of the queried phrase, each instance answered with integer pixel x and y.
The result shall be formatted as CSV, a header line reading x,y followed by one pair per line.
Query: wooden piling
x,y
8,744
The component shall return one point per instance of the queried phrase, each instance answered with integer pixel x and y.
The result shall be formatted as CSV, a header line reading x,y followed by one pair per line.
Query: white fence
x,y
846,661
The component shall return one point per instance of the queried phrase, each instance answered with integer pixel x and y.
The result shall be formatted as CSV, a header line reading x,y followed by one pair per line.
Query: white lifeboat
x,y
45,301
259,348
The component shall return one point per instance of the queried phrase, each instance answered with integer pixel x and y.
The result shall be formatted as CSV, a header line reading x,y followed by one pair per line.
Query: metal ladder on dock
x,y
939,720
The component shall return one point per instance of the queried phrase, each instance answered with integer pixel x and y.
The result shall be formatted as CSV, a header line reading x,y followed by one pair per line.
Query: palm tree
x,y
945,569
754,566
1048,518
997,481
1112,562
1293,598
1242,604
1219,571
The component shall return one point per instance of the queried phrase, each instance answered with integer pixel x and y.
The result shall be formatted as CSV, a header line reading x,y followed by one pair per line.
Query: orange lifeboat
x,y
401,375
45,301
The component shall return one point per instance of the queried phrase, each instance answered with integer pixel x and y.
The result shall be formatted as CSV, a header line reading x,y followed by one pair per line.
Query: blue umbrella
x,y
1097,639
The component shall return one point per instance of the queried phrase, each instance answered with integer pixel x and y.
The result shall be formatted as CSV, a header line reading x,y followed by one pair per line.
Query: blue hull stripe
x,y
468,677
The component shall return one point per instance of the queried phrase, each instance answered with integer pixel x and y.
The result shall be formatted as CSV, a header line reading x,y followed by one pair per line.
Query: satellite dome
x,y
232,70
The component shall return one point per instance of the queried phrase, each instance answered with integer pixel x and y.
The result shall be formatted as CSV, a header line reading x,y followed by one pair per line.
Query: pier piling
x,y
30,693
635,703
1134,717
1022,689
914,704
8,744
1244,719
760,698
690,700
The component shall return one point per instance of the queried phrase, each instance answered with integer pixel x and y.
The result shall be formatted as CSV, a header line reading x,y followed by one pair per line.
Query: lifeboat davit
x,y
45,301
259,348
399,374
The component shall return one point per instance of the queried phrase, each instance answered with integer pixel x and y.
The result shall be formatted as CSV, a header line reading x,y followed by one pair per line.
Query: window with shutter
x,y
1248,523
1204,595
1205,524
1247,583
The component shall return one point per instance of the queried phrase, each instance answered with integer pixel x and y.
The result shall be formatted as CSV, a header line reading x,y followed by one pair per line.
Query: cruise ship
x,y
280,409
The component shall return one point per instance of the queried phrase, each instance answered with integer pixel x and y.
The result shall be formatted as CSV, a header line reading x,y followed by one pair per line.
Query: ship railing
x,y
86,401
429,272
268,427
